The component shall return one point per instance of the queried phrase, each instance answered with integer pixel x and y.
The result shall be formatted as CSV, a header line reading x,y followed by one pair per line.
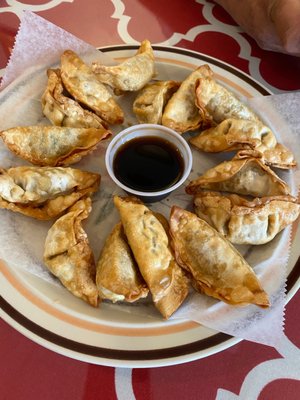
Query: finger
x,y
285,15
254,17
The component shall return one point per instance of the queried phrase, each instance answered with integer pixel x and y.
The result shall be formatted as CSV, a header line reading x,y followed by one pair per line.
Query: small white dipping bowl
x,y
149,130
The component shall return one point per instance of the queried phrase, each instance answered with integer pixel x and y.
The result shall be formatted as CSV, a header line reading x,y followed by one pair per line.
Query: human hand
x,y
274,24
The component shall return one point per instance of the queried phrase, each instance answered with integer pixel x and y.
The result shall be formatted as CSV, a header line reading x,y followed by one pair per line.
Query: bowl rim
x,y
132,128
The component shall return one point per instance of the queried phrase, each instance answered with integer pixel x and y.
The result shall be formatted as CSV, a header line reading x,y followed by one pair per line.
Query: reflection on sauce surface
x,y
148,164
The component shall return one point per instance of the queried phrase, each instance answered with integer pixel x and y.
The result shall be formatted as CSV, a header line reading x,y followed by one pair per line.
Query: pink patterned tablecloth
x,y
245,371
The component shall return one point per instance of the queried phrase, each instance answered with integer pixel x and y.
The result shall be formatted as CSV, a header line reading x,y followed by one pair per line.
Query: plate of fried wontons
x,y
97,275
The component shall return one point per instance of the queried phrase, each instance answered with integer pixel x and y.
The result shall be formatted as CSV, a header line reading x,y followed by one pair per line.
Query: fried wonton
x,y
150,102
44,192
253,138
118,277
52,145
64,111
217,103
150,245
246,222
217,268
84,86
181,113
68,255
249,176
130,75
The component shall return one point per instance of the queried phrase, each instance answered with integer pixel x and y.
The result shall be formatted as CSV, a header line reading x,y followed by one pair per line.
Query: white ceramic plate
x,y
118,335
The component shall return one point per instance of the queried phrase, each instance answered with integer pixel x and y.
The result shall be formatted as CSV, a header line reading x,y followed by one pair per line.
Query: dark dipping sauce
x,y
148,164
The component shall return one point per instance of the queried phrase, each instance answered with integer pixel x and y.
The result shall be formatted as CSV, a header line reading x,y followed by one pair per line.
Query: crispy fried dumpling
x,y
150,245
130,75
277,157
68,255
217,103
234,134
149,104
118,277
52,145
83,85
44,192
246,222
240,134
64,111
217,268
181,113
247,176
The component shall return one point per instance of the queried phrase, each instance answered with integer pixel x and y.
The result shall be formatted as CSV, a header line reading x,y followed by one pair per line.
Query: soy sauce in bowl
x,y
148,161
148,164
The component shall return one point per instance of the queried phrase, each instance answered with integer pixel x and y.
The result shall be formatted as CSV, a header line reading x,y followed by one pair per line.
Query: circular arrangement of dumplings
x,y
239,201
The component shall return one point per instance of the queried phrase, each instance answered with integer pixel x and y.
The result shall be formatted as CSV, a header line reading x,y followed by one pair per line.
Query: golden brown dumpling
x,y
246,222
118,277
234,134
277,157
150,245
149,104
68,255
64,111
130,75
44,192
217,268
217,103
181,113
247,176
52,145
252,138
83,85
